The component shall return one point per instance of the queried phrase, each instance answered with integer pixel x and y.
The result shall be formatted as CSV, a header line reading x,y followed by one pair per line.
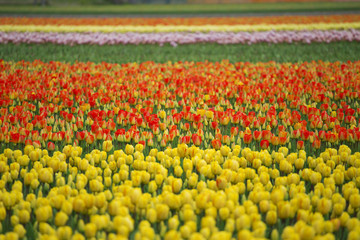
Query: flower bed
x,y
180,150
237,30
176,38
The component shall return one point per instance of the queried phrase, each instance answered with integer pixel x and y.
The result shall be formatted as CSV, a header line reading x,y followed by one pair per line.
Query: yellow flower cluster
x,y
180,28
180,193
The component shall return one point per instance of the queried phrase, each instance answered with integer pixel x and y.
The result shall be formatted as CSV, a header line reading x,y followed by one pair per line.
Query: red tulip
x,y
214,125
264,144
235,119
357,136
14,137
275,140
99,134
90,139
282,140
322,134
186,127
185,139
51,146
37,144
296,134
196,139
163,143
61,135
80,135
343,135
316,144
246,123
283,134
266,134
247,138
257,124
226,139
257,135
340,116
305,134
177,118
300,145
150,142
45,136
262,120
111,125
234,131
216,143
68,117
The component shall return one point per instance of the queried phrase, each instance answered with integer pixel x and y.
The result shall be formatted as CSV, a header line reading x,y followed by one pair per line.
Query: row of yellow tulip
x,y
180,193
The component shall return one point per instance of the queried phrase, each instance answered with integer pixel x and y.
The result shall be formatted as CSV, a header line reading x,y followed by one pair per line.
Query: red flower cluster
x,y
264,105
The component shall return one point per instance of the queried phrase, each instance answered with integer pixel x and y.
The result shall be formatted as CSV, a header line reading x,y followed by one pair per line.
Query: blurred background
x,y
105,2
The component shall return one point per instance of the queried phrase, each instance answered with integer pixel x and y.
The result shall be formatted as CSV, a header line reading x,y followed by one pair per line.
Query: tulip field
x,y
179,149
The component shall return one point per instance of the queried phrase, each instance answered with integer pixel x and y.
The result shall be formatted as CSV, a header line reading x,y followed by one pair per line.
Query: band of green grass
x,y
337,51
183,8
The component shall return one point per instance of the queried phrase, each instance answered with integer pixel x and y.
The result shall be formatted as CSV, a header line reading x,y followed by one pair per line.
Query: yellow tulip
x,y
67,207
172,235
46,175
224,213
307,232
79,205
90,230
162,212
24,160
355,200
96,186
274,235
35,155
219,200
344,218
107,146
182,149
173,222
129,149
8,200
11,236
20,230
271,217
243,222
61,218
284,209
43,214
126,221
324,206
353,235
177,185
139,148
24,216
151,215
77,236
244,234
64,232
14,220
264,206
277,196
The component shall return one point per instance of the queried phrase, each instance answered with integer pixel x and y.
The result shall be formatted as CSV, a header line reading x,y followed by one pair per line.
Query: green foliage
x,y
338,51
